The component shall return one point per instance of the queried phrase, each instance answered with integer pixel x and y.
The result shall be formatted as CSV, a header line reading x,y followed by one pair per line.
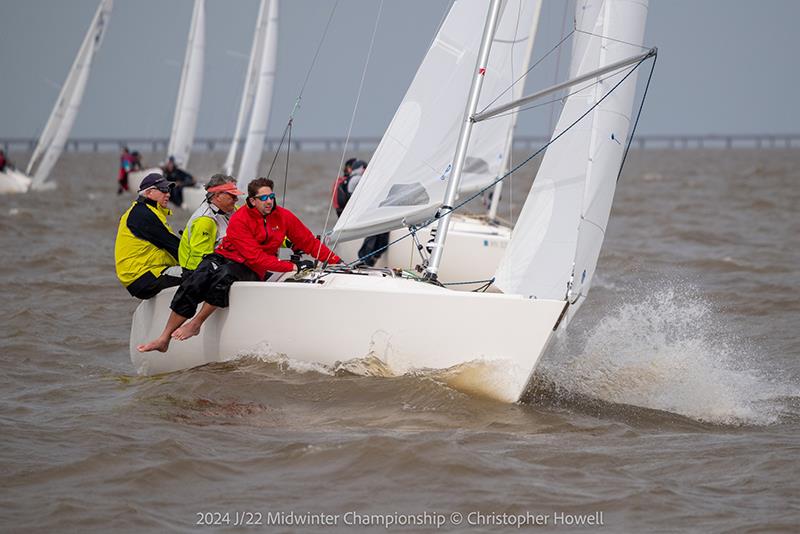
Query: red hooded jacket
x,y
254,240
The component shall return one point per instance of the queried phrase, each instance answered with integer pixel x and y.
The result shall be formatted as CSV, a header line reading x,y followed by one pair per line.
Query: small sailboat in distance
x,y
184,120
256,96
54,136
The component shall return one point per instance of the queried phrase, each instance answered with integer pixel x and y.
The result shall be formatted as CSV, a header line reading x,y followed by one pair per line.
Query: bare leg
x,y
161,343
192,328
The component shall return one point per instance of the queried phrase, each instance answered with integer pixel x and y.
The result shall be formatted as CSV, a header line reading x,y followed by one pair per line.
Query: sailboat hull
x,y
474,250
13,181
351,316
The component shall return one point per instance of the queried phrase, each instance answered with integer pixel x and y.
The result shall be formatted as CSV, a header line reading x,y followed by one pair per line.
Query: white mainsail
x,y
184,122
56,131
407,177
257,131
556,242
250,84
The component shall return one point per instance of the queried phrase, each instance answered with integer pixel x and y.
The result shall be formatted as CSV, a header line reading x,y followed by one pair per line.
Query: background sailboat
x,y
184,121
256,96
54,136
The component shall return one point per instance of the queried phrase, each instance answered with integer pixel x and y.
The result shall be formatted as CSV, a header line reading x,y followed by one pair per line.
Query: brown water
x,y
672,405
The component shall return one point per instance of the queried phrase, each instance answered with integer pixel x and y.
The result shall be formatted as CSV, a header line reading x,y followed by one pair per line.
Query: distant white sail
x,y
556,242
56,131
407,177
257,132
250,84
184,122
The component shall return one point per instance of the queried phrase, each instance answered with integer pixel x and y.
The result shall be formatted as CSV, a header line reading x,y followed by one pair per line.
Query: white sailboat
x,y
475,244
54,136
410,323
184,121
257,95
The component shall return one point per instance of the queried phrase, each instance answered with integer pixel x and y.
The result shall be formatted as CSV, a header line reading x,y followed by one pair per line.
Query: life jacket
x,y
212,223
340,194
135,256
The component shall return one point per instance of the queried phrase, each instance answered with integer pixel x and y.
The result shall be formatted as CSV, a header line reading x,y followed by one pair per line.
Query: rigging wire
x,y
524,74
440,213
287,130
353,115
638,114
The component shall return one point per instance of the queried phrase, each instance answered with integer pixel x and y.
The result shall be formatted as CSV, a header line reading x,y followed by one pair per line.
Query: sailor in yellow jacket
x,y
209,222
146,249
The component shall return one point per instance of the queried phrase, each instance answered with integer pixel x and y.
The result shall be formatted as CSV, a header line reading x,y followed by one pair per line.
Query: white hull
x,y
355,316
13,181
474,249
192,196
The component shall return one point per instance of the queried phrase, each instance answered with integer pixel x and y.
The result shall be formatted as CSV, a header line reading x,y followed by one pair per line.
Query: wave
x,y
669,351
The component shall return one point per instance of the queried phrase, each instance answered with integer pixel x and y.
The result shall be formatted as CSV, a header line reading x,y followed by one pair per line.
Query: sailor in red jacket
x,y
248,252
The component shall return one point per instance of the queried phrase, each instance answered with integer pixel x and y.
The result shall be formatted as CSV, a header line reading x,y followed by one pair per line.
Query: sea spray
x,y
666,351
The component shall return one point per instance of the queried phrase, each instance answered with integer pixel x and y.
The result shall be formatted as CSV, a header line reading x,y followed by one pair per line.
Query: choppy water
x,y
673,404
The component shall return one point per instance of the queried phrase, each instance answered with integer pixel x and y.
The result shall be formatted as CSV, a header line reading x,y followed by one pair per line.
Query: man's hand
x,y
302,265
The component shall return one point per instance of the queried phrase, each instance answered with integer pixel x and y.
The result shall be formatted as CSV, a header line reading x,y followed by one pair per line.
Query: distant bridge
x,y
355,144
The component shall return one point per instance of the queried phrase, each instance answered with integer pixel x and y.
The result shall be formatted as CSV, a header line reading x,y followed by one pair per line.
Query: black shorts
x,y
211,282
148,286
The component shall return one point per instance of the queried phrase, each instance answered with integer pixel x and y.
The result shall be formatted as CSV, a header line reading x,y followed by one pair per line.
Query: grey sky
x,y
723,66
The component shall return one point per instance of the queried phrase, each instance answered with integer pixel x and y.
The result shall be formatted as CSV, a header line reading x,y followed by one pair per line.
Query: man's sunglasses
x,y
264,198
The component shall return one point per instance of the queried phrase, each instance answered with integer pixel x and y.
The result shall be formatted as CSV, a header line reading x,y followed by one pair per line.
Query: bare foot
x,y
186,331
161,345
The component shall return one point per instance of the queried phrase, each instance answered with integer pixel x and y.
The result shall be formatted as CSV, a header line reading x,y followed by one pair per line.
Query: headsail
x,y
254,145
184,121
56,131
407,177
556,242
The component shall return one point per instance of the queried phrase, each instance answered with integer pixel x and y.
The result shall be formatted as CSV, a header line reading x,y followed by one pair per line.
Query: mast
x,y
498,189
250,82
493,16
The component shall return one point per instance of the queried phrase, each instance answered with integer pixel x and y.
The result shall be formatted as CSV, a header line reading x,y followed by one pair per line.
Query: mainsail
x,y
184,121
56,131
556,242
407,177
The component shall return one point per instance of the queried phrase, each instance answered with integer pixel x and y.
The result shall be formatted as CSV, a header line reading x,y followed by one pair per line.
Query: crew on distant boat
x,y
146,249
4,162
179,177
209,222
125,166
136,164
340,193
248,252
373,243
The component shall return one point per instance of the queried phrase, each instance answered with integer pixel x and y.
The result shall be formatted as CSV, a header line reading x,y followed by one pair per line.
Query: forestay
x,y
56,131
556,242
407,177
184,121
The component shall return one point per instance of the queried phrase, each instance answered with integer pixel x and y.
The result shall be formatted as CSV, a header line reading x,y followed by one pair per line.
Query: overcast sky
x,y
724,66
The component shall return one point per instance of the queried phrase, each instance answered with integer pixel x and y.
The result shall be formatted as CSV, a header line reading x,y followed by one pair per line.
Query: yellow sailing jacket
x,y
145,242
